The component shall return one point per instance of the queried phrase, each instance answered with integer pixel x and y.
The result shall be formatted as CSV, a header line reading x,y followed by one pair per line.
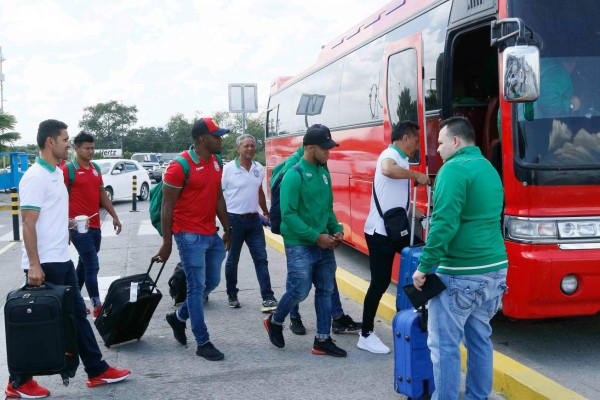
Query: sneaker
x,y
372,344
87,310
275,332
297,327
205,299
208,351
233,301
345,324
327,347
178,327
111,375
28,390
97,311
269,306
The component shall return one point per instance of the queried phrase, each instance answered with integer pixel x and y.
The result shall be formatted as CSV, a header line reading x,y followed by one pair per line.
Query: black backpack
x,y
275,211
178,285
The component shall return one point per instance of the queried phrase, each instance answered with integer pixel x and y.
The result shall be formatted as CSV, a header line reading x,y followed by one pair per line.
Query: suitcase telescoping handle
x,y
157,276
413,220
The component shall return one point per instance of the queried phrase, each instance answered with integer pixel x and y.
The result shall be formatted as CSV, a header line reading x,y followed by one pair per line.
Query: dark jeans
x,y
336,302
63,273
308,266
381,260
249,230
88,246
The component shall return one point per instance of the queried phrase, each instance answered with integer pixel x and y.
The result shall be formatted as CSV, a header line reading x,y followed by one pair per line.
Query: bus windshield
x,y
561,130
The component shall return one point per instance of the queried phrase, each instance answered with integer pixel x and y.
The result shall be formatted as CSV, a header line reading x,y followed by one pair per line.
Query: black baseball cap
x,y
319,135
207,126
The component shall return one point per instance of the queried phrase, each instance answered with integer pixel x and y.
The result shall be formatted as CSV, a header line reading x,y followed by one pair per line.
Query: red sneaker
x,y
111,375
97,310
28,390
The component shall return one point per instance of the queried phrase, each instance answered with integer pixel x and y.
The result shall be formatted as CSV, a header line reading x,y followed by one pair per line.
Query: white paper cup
x,y
81,223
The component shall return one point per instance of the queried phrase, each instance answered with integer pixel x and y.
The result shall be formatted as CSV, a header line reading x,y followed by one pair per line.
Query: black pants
x,y
381,260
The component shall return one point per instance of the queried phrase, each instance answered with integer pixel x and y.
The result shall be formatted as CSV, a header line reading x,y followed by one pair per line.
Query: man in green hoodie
x,y
465,242
310,232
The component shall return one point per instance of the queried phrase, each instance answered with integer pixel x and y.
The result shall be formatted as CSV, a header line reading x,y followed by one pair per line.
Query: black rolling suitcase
x,y
128,307
41,335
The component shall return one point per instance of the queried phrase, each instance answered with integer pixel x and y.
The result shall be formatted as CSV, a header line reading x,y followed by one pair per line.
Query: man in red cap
x,y
190,204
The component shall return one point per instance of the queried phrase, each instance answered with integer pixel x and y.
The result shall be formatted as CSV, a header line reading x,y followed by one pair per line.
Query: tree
x,y
255,126
7,122
179,132
108,122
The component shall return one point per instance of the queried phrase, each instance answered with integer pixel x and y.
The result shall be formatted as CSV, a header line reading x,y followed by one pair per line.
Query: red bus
x,y
426,60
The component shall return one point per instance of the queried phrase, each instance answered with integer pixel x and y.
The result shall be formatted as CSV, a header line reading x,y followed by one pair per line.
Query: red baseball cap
x,y
207,126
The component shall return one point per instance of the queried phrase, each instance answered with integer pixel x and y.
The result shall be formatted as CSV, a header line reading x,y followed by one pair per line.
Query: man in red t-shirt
x,y
188,212
86,195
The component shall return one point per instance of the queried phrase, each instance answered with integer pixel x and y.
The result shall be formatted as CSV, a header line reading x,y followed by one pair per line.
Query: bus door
x,y
404,99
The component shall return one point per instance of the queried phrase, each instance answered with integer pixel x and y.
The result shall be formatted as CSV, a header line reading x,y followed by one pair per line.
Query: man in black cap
x,y
192,197
310,232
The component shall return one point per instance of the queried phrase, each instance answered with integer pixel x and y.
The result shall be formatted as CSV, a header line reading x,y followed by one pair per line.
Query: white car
x,y
118,174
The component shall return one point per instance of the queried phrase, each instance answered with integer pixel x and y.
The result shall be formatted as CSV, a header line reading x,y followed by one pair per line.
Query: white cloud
x,y
165,57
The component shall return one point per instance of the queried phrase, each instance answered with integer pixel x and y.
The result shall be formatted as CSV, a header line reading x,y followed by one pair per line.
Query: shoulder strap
x,y
71,171
297,168
185,166
377,201
97,167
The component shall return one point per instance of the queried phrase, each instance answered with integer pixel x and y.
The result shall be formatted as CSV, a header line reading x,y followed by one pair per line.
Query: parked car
x,y
151,162
117,175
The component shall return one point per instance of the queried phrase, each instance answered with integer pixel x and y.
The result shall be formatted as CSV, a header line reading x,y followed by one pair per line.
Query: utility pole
x,y
1,82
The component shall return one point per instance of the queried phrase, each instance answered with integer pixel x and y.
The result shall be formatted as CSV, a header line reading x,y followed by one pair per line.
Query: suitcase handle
x,y
413,220
157,276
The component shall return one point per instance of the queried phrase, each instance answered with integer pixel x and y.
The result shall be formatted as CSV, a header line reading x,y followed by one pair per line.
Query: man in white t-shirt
x,y
242,187
392,186
46,258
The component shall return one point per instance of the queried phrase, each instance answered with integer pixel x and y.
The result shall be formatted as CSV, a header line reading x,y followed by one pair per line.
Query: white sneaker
x,y
372,344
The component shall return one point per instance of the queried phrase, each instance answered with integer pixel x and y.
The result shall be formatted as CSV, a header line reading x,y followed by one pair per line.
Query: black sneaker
x,y
327,348
233,301
275,332
178,327
297,327
345,324
208,351
205,299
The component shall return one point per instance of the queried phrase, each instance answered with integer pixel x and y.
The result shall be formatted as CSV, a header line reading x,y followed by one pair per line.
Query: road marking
x,y
10,235
8,246
146,228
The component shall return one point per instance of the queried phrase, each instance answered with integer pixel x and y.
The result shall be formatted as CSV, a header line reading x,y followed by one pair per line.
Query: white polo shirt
x,y
240,187
42,188
391,193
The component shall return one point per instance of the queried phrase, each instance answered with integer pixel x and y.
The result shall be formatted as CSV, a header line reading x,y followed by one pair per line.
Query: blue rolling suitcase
x,y
413,370
409,259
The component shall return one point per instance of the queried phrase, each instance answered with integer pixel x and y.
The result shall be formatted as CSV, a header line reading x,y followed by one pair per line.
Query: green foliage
x,y
255,126
7,122
108,122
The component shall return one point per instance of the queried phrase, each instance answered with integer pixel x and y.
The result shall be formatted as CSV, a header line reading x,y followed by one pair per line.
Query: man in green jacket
x,y
310,232
465,242
341,322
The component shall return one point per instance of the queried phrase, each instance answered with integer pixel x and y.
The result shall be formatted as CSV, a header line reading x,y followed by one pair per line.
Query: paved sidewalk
x,y
252,369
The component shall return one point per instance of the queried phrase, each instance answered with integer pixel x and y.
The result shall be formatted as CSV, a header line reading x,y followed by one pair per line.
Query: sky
x,y
164,56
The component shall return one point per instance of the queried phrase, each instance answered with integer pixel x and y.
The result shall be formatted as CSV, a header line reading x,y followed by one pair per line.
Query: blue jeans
x,y
201,257
248,230
463,312
336,302
88,246
308,265
63,273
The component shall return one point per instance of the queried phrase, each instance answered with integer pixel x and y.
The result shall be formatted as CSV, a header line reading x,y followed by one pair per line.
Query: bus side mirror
x,y
521,74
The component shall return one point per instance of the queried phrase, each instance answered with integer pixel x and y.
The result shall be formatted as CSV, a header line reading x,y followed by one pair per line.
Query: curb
x,y
511,378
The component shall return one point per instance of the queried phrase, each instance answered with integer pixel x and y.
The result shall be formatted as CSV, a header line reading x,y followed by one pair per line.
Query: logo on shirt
x,y
217,166
256,174
325,179
199,168
94,172
308,174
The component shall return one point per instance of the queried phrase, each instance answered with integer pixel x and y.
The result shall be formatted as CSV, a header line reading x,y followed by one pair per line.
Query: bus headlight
x,y
569,284
530,229
551,230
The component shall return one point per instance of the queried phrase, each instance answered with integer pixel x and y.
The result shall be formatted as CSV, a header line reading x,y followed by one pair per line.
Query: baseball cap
x,y
319,135
207,125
